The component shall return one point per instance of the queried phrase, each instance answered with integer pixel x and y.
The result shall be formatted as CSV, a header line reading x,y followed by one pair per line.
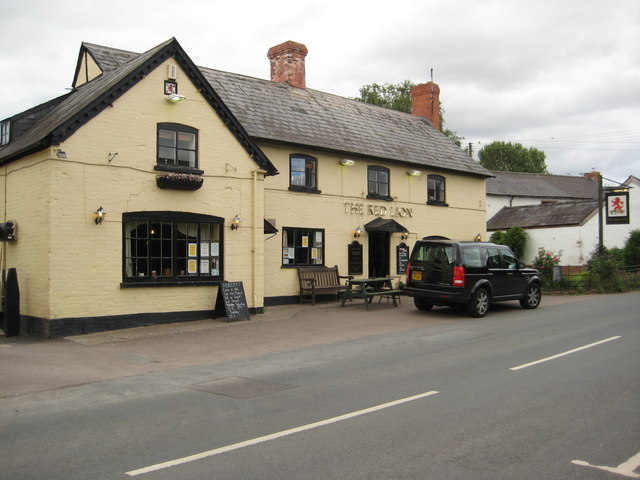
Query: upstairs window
x,y
436,190
5,132
303,173
177,146
378,183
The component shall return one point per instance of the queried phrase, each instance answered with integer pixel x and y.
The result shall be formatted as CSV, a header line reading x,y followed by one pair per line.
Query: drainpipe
x,y
256,232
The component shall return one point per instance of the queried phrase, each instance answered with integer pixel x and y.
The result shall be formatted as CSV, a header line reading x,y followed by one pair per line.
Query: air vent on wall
x,y
172,72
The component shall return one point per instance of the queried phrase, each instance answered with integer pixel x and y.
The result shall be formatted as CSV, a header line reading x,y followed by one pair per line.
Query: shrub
x,y
545,261
632,249
516,239
606,268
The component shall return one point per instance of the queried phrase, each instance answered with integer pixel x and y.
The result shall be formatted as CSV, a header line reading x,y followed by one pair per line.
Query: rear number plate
x,y
416,275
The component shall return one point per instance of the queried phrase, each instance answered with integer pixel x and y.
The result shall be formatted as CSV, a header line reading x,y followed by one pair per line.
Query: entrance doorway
x,y
379,253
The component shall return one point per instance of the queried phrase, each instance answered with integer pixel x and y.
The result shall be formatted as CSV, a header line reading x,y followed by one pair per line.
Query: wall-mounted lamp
x,y
235,223
414,173
100,213
405,235
357,232
345,162
477,238
175,98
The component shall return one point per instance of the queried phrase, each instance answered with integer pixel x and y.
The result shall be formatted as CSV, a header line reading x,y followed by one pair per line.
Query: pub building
x,y
153,180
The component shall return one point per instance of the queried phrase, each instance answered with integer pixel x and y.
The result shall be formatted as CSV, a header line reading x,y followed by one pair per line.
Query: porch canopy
x,y
384,225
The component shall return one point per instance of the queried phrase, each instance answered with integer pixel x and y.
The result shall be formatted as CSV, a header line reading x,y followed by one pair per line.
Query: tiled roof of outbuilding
x,y
546,215
519,184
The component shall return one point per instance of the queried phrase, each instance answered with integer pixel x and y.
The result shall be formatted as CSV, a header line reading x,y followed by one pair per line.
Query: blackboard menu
x,y
402,257
355,258
231,302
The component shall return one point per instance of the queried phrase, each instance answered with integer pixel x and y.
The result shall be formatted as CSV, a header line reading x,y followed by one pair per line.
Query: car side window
x,y
471,256
510,261
493,258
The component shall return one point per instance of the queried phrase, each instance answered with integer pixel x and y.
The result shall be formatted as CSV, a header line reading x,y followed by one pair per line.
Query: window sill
x,y
293,188
174,169
375,196
169,283
435,203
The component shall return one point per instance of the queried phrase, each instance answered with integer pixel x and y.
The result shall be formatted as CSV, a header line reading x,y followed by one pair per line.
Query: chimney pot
x,y
425,102
287,63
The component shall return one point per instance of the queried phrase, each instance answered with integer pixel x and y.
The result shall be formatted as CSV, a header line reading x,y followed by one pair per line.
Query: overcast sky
x,y
559,75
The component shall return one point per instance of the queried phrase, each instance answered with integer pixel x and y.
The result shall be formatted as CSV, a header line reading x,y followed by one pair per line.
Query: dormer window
x,y
5,132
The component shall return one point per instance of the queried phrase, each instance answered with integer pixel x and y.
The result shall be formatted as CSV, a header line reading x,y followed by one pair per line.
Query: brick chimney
x,y
287,63
595,176
425,102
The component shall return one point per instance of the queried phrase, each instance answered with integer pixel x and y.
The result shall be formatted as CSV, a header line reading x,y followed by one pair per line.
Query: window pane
x,y
166,138
186,141
297,179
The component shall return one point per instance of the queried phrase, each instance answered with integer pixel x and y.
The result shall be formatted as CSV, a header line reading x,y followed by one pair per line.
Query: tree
x,y
397,96
509,157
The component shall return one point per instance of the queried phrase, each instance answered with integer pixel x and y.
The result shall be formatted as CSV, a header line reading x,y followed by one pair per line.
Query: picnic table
x,y
367,288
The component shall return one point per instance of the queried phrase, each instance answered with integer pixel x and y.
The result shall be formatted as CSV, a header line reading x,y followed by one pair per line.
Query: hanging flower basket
x,y
179,181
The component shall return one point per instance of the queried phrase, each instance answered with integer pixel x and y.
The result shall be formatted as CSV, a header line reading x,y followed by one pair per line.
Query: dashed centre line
x,y
274,436
569,352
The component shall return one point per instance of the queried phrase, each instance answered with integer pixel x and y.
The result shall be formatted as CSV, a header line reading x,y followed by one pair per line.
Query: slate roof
x,y
69,112
267,111
280,113
559,214
516,184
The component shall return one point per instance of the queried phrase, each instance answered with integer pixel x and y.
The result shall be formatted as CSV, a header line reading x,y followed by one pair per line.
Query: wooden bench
x,y
316,280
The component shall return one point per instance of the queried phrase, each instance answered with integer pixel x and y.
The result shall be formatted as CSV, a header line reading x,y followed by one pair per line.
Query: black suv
x,y
445,272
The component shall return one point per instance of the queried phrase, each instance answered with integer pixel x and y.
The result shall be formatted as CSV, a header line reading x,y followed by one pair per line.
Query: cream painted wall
x,y
342,206
85,259
26,185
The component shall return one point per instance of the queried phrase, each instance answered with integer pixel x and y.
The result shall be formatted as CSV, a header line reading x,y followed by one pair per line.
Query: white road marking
x,y
274,436
520,367
625,469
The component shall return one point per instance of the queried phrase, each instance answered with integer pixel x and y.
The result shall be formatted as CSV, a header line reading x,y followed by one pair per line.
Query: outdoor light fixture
x,y
405,235
414,173
175,98
477,238
357,232
100,213
235,223
345,162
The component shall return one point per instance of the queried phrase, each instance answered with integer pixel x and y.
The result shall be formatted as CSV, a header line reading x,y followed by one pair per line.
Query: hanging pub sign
x,y
355,258
617,207
402,258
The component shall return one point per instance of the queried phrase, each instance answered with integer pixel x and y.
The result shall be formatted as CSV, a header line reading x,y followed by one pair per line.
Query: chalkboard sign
x,y
402,257
231,302
355,258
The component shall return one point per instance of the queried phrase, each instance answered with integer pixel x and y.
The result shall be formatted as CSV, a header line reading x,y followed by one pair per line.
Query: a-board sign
x,y
355,258
402,252
231,302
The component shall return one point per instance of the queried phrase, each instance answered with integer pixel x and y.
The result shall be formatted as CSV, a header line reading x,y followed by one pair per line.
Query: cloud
x,y
513,70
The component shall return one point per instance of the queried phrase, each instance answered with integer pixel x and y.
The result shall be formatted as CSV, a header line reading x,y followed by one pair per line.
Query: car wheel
x,y
532,297
479,304
422,304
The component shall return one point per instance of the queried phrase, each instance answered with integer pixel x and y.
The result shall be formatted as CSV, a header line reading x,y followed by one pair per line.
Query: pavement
x,y
29,365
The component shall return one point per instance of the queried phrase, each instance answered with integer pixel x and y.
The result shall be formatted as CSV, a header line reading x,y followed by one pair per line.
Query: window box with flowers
x,y
179,181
